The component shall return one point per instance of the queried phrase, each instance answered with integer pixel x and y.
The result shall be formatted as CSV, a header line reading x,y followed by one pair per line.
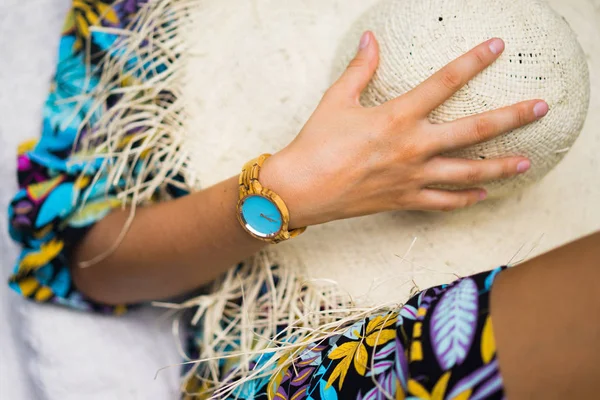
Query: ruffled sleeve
x,y
45,217
61,197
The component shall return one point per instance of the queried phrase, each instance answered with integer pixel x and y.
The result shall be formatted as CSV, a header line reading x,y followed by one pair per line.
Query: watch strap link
x,y
249,175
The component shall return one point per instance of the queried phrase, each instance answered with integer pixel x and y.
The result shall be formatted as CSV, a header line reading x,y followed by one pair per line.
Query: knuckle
x,y
392,119
448,135
449,207
412,150
506,171
399,202
416,177
483,128
400,109
480,57
450,79
466,201
331,96
473,175
389,120
522,115
357,62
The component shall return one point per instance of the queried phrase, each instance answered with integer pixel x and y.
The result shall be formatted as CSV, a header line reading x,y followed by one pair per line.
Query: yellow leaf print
x,y
88,13
440,387
120,310
381,322
129,81
82,24
488,342
69,24
43,231
466,395
276,379
400,395
416,351
417,390
343,350
28,286
82,181
40,190
43,294
26,146
92,18
107,13
418,330
38,259
360,360
351,351
197,390
380,338
340,371
93,212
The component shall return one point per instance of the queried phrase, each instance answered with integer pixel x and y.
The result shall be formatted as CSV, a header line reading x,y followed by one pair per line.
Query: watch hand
x,y
267,218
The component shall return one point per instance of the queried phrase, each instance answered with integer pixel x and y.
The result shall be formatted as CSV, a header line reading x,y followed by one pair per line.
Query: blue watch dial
x,y
261,215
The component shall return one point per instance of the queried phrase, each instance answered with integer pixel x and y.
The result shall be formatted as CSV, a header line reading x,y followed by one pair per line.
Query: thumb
x,y
361,69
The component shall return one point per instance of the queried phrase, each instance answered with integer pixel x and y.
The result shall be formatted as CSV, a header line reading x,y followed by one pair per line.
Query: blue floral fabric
x,y
48,215
440,345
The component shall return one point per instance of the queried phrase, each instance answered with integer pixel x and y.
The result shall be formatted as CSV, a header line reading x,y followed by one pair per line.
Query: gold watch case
x,y
250,186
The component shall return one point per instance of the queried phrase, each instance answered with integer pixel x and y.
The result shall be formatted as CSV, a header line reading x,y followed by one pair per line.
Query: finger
x,y
443,84
456,171
447,200
360,71
483,127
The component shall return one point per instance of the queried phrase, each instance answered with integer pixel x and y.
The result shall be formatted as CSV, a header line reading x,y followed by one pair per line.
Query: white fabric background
x,y
37,359
28,39
50,352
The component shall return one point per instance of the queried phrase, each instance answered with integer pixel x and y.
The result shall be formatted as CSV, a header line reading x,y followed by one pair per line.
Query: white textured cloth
x,y
543,60
49,352
260,68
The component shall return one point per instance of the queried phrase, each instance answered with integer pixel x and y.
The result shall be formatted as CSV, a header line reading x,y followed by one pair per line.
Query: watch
x,y
261,212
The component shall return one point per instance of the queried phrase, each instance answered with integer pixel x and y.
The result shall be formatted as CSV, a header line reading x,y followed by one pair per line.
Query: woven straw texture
x,y
542,60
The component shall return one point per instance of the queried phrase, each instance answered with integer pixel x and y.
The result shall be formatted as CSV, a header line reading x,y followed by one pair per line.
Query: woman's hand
x,y
350,161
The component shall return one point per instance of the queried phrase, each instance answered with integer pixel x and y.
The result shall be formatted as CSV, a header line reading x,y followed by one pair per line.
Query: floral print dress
x,y
440,345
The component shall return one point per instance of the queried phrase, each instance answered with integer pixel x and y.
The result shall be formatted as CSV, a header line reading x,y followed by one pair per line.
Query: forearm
x,y
171,248
546,316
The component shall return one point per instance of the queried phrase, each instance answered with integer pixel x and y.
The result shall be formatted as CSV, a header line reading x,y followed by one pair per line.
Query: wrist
x,y
284,176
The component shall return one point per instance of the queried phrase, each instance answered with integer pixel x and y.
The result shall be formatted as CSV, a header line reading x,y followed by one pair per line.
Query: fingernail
x,y
541,109
482,195
523,166
496,46
364,40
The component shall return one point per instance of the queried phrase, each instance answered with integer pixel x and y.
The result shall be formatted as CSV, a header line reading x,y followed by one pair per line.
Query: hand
x,y
350,161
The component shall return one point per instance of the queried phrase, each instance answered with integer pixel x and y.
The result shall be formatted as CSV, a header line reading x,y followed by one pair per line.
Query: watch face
x,y
261,216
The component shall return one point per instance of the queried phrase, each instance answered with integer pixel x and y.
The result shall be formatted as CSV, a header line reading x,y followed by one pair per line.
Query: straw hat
x,y
542,60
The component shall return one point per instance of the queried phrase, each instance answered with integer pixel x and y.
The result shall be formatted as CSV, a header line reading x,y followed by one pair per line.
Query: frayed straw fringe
x,y
272,326
146,128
